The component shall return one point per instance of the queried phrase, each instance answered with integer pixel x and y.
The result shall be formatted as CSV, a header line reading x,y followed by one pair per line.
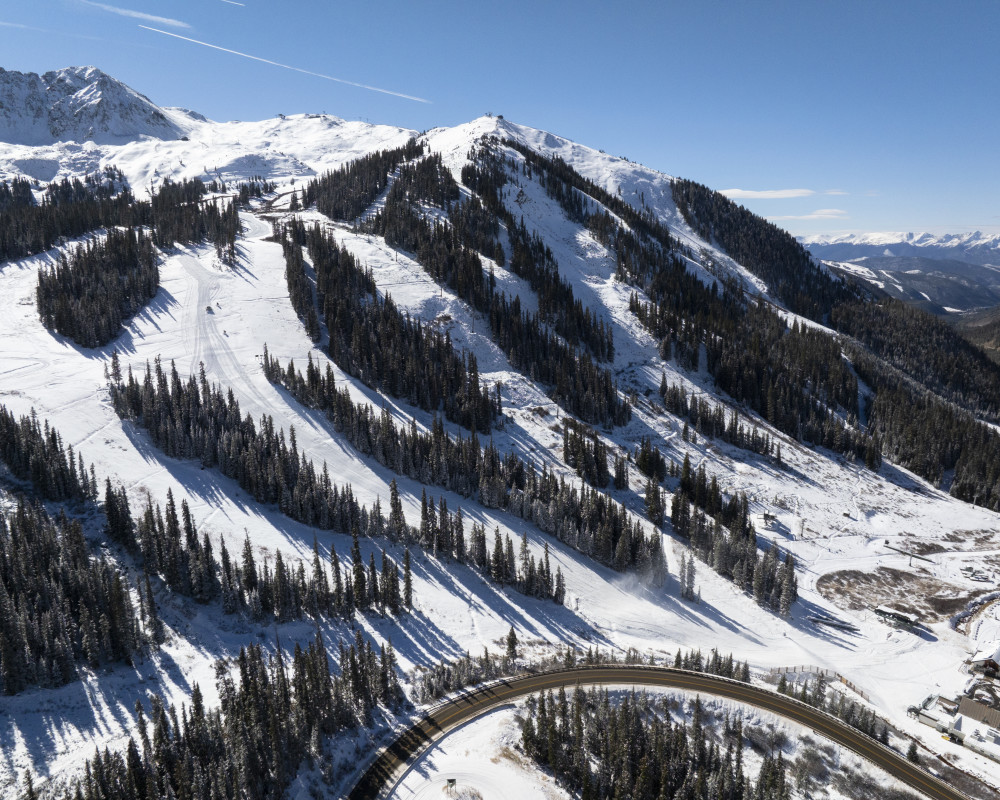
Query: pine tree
x,y
511,645
407,581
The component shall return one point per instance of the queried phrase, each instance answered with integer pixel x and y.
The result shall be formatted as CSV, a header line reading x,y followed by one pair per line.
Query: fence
x,y
808,669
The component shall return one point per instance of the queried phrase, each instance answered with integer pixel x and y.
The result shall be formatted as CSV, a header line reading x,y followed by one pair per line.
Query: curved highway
x,y
392,761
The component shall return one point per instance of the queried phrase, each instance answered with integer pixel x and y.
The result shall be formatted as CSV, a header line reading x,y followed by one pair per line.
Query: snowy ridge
x,y
974,247
887,239
79,104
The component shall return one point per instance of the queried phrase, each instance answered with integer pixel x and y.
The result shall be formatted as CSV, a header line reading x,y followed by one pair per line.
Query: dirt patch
x,y
972,540
930,599
926,548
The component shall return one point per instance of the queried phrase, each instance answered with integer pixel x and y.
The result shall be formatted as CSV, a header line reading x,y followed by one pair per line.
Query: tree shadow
x,y
47,722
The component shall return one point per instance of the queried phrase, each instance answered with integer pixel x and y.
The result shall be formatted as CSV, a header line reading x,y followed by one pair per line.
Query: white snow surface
x,y
890,238
831,514
484,758
80,104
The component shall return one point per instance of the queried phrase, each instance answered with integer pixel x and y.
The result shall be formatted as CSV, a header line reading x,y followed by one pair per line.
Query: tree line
x,y
926,349
769,252
194,420
598,747
791,375
477,222
585,519
50,573
902,416
34,451
929,383
274,713
710,420
69,208
375,342
177,212
347,192
328,587
452,676
181,214
839,705
90,293
59,608
722,535
578,382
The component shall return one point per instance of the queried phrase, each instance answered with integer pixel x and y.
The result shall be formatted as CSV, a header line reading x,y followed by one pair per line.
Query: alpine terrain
x,y
308,425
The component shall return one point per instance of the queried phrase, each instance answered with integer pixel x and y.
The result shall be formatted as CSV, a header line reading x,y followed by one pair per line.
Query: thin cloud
x,y
766,194
48,32
820,213
127,12
234,3
286,66
835,191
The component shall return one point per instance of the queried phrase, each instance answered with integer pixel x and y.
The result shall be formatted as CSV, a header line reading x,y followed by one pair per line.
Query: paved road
x,y
392,761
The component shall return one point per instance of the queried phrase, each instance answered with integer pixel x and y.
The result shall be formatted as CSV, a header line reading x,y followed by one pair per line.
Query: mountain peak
x,y
77,104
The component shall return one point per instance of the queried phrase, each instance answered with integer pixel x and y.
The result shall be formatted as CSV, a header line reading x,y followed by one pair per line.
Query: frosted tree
x,y
689,578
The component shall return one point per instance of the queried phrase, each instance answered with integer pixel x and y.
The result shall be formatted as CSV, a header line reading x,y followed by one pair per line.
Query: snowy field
x,y
838,519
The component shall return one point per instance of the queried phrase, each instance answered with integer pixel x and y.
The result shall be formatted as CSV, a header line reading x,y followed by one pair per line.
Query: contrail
x,y
233,3
286,66
127,12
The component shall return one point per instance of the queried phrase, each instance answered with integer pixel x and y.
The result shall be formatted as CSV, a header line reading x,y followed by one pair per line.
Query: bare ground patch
x,y
930,599
972,540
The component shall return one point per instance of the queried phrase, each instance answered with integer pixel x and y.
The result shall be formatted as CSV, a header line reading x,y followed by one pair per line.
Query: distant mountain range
x,y
944,274
975,247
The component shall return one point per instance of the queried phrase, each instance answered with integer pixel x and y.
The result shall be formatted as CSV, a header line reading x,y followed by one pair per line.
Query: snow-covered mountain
x,y
831,513
80,104
939,285
974,247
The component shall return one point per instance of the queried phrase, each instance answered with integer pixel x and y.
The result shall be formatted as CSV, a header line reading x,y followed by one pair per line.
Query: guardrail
x,y
382,774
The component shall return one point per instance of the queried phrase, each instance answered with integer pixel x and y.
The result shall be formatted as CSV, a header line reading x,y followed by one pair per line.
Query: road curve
x,y
393,759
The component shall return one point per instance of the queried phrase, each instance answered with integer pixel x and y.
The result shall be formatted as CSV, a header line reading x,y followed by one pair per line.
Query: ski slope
x,y
831,514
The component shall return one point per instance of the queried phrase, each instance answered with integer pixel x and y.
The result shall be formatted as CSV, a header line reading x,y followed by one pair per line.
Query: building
x,y
765,522
987,657
968,722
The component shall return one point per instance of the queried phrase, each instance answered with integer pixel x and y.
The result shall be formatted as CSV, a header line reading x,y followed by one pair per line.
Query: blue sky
x,y
848,116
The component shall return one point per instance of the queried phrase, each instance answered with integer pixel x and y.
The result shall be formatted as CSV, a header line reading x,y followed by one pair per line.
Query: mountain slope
x,y
939,285
79,104
832,514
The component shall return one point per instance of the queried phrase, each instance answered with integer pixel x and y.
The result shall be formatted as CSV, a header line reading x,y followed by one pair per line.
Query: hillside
x,y
669,370
941,286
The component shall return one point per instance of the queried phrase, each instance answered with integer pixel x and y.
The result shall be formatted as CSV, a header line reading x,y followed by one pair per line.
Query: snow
x,y
482,759
485,760
79,104
282,150
887,239
840,514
